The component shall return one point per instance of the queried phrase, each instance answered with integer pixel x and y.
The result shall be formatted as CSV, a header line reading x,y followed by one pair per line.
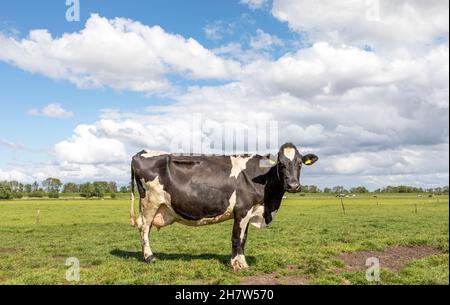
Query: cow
x,y
202,190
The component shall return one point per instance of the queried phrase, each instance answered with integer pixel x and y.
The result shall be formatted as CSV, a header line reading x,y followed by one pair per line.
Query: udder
x,y
164,217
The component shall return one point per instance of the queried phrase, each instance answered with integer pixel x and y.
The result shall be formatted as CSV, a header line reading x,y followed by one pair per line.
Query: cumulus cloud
x,y
52,111
375,115
88,147
383,24
17,175
143,56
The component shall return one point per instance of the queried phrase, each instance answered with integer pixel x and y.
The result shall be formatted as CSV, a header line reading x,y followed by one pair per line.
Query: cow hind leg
x,y
239,237
145,224
145,241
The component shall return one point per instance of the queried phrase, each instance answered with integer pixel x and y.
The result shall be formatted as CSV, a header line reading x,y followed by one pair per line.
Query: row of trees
x,y
53,187
362,189
411,189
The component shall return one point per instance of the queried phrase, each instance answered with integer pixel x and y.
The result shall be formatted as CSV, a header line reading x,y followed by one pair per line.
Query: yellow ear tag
x,y
308,162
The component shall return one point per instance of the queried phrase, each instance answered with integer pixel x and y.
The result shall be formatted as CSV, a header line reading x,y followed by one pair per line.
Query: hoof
x,y
238,263
149,259
239,268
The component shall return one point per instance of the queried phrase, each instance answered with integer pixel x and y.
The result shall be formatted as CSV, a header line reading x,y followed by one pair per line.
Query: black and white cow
x,y
202,190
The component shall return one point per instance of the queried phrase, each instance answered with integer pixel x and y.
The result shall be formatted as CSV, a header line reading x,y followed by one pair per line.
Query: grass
x,y
303,241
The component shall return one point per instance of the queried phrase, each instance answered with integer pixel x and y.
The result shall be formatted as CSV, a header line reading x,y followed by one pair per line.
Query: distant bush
x,y
36,194
17,195
53,195
113,195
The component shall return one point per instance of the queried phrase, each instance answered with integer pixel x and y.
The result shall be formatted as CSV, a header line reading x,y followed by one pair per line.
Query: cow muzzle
x,y
293,188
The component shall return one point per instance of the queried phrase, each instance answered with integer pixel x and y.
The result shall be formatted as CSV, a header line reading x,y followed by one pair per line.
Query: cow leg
x,y
239,237
145,224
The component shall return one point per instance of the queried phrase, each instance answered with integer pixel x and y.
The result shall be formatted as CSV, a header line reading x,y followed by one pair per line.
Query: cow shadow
x,y
222,258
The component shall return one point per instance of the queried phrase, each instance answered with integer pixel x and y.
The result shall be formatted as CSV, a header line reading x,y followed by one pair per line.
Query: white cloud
x,y
214,31
255,4
87,147
383,24
263,40
143,56
14,174
11,145
52,111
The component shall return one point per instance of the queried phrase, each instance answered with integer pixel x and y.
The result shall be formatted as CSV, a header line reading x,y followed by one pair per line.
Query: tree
x,y
359,190
15,186
87,190
313,189
52,184
100,188
5,191
112,187
339,190
124,189
35,186
27,188
70,188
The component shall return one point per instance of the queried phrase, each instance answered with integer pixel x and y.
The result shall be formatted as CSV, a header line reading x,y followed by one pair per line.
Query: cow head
x,y
289,165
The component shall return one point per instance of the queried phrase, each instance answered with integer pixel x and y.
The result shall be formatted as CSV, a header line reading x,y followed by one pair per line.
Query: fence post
x,y
342,204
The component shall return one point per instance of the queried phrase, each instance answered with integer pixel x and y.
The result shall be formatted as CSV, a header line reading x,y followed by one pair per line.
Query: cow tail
x,y
132,213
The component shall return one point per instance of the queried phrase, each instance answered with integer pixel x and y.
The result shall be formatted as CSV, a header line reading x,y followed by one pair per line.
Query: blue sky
x,y
26,91
327,80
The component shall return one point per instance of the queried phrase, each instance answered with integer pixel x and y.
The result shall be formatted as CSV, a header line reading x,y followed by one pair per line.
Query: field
x,y
311,241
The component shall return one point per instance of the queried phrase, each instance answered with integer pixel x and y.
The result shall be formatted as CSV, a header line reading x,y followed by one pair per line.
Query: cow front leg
x,y
239,237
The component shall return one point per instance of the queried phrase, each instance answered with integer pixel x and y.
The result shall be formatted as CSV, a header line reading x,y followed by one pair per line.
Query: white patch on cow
x,y
238,165
153,153
155,204
289,153
257,219
255,216
155,194
146,242
238,262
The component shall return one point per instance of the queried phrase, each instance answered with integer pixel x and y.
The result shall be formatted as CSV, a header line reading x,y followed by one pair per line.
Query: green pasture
x,y
304,241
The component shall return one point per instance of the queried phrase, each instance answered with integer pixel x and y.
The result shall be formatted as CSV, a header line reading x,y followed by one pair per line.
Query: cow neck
x,y
273,191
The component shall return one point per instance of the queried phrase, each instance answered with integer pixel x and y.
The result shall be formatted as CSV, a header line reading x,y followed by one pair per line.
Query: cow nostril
x,y
294,186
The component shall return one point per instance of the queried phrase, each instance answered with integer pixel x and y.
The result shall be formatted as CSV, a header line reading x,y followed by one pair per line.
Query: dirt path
x,y
392,258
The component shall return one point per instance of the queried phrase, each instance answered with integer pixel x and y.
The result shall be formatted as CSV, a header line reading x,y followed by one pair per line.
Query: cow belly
x,y
164,217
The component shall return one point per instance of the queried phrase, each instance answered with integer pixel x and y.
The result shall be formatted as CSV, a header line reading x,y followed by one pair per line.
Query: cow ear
x,y
309,159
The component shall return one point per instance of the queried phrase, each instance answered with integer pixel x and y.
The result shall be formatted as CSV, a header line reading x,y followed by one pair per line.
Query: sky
x,y
362,84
